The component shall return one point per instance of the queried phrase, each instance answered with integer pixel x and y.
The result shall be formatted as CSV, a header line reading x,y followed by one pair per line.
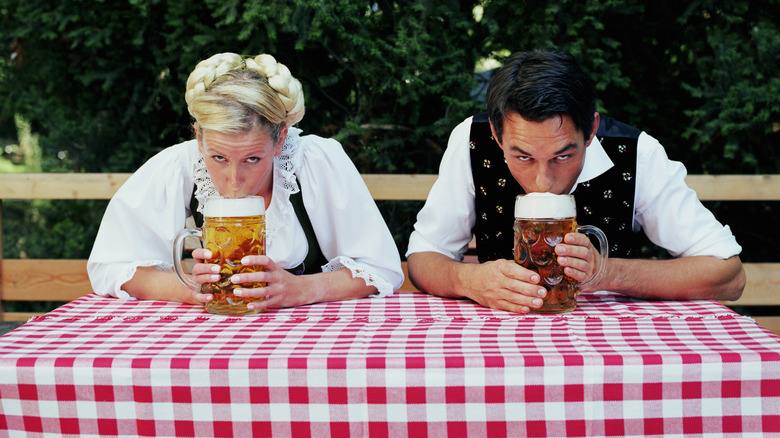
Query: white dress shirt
x,y
150,209
668,211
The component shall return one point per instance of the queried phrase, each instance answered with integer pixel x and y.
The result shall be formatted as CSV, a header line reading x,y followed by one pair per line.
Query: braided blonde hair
x,y
231,94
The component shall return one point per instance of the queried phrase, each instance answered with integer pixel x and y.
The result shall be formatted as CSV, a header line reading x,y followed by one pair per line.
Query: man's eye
x,y
253,160
563,157
219,158
523,158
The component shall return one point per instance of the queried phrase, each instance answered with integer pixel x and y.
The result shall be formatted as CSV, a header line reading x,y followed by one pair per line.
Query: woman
x,y
245,144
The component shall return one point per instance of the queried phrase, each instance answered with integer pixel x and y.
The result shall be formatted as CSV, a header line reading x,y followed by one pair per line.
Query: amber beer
x,y
541,221
232,228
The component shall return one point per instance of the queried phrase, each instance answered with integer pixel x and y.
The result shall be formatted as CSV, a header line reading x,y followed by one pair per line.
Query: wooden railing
x,y
64,280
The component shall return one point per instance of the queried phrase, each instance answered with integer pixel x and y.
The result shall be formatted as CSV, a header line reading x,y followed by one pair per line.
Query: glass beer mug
x,y
232,228
541,221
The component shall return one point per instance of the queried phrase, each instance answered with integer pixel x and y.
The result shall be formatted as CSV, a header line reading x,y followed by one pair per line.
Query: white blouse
x,y
665,208
150,209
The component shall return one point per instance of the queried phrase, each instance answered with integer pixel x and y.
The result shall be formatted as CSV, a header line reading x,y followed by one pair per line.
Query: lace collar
x,y
285,182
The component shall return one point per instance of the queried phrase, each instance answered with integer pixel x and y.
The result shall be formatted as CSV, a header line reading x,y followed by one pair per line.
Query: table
x,y
407,365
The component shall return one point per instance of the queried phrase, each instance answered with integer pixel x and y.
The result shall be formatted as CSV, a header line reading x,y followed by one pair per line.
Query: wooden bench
x,y
65,280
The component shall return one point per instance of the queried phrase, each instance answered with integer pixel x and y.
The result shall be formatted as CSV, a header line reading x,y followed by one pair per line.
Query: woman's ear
x,y
199,138
280,141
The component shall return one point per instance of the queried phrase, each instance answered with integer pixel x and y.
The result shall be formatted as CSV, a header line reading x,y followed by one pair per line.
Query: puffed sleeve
x,y
141,221
671,213
349,228
445,222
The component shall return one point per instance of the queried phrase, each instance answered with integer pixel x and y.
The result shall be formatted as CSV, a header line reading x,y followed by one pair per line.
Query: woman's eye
x,y
253,160
219,158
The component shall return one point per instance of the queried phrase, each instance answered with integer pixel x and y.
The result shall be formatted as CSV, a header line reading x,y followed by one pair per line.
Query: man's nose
x,y
544,179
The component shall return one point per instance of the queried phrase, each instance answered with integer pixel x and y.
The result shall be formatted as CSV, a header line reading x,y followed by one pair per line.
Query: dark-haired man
x,y
542,134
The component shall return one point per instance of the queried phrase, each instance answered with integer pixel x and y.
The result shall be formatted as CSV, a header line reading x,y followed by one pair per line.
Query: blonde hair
x,y
231,94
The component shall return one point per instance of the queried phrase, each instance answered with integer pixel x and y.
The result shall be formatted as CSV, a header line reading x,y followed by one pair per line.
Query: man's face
x,y
546,156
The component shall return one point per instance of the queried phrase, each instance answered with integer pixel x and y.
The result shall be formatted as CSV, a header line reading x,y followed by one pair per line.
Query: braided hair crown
x,y
288,90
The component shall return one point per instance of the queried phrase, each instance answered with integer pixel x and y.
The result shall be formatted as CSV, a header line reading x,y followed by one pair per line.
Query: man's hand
x,y
505,285
682,278
500,284
580,260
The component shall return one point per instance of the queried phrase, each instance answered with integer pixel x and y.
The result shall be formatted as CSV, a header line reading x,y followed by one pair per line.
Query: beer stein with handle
x,y
541,221
232,228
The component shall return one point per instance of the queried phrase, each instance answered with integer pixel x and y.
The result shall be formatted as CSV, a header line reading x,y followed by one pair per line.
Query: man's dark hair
x,y
538,85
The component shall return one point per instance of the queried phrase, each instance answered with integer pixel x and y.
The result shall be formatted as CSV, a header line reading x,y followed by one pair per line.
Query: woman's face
x,y
241,164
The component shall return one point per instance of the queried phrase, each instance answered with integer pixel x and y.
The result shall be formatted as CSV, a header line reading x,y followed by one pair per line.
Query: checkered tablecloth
x,y
407,365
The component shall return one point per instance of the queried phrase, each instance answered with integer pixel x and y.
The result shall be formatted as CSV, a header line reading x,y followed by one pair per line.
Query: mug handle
x,y
603,248
178,250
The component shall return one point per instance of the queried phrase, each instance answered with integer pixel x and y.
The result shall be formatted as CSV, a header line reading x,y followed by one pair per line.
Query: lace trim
x,y
204,187
383,287
285,184
279,213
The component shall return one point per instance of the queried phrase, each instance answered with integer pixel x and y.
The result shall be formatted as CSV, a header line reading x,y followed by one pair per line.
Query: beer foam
x,y
545,206
234,207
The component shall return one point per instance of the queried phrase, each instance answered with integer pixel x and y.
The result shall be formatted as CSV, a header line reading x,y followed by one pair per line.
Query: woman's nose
x,y
234,183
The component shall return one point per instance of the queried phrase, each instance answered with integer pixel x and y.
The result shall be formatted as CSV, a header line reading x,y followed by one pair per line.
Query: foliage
x,y
103,83
50,229
737,88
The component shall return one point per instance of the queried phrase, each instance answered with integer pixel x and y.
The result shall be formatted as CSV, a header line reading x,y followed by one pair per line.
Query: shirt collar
x,y
596,162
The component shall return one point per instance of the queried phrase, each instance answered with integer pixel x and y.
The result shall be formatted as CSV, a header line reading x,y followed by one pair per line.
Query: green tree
x,y
103,82
736,122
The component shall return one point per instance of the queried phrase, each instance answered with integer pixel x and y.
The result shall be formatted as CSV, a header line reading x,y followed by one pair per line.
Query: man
x,y
542,134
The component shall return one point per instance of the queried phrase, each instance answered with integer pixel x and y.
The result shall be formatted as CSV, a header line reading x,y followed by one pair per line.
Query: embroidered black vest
x,y
606,202
314,260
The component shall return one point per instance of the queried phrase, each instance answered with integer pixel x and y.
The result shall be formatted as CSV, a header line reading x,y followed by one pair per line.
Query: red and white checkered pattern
x,y
408,365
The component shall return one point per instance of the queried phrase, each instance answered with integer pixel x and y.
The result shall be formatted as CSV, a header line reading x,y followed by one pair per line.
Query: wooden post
x,y
2,311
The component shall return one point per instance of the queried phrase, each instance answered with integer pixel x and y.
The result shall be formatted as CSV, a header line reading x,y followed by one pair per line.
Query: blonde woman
x,y
326,240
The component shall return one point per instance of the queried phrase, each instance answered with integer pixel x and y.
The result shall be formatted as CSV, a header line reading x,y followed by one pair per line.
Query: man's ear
x,y
593,130
493,131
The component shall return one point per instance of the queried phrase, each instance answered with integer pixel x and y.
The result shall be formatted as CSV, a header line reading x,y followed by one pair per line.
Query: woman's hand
x,y
282,289
203,273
